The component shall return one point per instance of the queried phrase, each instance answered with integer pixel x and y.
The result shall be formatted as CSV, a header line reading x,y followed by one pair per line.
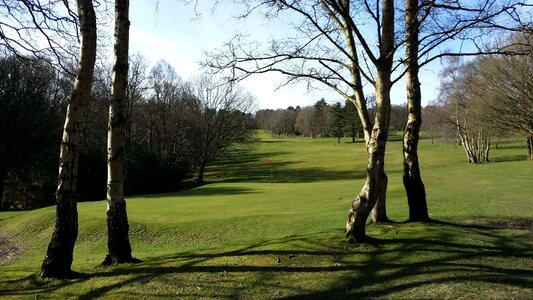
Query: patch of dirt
x,y
7,249
511,224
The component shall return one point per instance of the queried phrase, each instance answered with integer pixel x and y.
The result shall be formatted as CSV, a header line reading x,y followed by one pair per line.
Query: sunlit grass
x,y
245,236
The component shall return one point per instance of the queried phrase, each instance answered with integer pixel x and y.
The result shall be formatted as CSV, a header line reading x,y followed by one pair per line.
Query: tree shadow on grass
x,y
242,156
205,191
281,171
441,260
511,144
508,158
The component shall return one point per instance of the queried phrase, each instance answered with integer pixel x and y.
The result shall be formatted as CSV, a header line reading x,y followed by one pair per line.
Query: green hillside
x,y
243,236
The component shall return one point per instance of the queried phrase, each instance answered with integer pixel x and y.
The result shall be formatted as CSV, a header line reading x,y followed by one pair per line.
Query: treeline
x,y
323,120
174,128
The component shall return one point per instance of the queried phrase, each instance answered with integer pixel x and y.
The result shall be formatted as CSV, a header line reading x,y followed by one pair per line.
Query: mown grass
x,y
240,236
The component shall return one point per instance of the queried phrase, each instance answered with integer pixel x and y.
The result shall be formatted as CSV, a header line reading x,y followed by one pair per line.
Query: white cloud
x,y
156,48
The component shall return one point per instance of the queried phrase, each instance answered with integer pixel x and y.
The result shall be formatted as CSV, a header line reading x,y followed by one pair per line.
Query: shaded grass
x,y
241,237
447,261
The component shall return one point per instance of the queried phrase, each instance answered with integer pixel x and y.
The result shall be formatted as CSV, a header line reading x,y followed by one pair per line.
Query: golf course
x,y
269,224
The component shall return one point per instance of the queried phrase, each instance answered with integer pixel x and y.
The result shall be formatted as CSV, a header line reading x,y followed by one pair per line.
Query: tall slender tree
x,y
431,26
59,256
118,244
412,179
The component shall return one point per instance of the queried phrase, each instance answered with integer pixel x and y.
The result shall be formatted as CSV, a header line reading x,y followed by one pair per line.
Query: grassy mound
x,y
243,236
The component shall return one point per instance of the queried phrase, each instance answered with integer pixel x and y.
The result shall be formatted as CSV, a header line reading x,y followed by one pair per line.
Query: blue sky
x,y
172,31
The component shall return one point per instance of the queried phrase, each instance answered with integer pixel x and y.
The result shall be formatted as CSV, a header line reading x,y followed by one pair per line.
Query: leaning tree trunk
x,y
412,180
59,256
118,243
374,190
375,186
379,213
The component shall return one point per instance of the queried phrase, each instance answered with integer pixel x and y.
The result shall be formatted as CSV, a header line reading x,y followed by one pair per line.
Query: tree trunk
x,y
530,147
476,146
371,191
412,180
374,189
58,260
118,243
201,171
379,213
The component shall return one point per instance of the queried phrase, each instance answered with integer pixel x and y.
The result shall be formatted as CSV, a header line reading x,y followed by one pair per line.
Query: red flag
x,y
270,161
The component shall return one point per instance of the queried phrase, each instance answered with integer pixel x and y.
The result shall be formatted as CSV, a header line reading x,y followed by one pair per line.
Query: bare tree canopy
x,y
42,28
489,96
220,114
466,112
46,30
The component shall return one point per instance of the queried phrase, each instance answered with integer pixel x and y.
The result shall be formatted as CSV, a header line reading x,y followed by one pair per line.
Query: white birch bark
x,y
119,248
59,256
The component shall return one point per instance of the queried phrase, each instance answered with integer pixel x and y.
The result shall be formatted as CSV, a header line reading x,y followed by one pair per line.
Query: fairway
x,y
270,231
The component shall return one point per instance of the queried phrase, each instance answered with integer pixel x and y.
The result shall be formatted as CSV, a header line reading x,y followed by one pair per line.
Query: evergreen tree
x,y
337,123
351,121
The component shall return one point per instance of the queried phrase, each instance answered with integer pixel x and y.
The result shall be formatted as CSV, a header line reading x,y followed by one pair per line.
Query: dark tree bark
x,y
118,244
58,260
412,180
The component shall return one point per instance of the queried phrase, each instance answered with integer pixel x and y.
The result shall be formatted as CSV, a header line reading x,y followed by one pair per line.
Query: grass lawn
x,y
242,237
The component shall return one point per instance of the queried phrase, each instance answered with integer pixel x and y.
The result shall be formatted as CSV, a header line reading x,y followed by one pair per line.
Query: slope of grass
x,y
242,236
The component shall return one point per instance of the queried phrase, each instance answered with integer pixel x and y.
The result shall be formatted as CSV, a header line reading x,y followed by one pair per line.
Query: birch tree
x,y
118,244
59,256
431,26
412,180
